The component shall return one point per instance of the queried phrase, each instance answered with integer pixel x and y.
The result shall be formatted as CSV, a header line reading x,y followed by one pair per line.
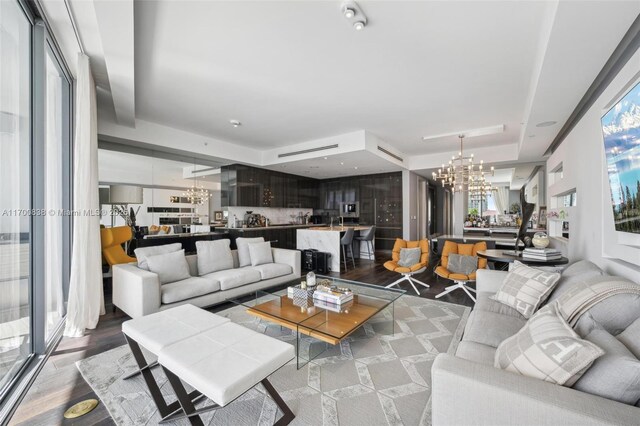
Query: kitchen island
x,y
280,236
327,239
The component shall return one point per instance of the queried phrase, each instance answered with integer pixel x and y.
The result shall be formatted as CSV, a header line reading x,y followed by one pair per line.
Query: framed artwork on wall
x,y
217,216
542,216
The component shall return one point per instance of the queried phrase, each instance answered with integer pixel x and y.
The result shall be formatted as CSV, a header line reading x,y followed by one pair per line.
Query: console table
x,y
501,257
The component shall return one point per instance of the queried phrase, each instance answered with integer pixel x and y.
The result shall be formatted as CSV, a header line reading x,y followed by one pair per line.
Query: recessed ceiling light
x,y
342,163
356,167
359,25
546,124
325,158
235,123
348,12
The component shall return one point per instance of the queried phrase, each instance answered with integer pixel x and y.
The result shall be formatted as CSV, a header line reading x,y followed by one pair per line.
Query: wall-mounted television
x,y
621,131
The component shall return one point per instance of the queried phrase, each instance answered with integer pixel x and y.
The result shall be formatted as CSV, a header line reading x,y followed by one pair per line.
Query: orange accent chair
x,y
461,281
112,240
407,272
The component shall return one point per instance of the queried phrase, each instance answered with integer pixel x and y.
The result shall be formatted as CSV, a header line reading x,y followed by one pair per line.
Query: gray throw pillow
x,y
260,253
214,256
616,374
409,256
548,349
525,288
143,253
170,267
244,258
462,264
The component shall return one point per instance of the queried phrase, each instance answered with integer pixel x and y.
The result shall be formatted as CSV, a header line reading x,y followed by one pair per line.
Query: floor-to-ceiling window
x,y
35,195
56,145
15,184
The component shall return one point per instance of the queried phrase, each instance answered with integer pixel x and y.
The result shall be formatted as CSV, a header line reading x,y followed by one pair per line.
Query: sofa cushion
x,y
525,288
631,338
576,272
170,267
616,313
214,256
244,258
490,328
232,278
260,253
273,270
548,349
476,352
462,264
188,288
484,302
616,374
143,253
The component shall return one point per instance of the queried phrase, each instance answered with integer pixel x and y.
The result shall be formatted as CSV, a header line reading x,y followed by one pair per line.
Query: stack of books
x,y
541,254
332,295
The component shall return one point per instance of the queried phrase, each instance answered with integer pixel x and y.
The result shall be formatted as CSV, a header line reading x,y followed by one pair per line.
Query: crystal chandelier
x,y
197,194
462,175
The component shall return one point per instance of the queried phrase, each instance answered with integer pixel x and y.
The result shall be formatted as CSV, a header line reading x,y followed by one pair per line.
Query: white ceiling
x,y
330,166
295,72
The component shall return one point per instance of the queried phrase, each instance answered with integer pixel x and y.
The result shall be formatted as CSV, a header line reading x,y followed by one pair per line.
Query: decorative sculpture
x,y
527,211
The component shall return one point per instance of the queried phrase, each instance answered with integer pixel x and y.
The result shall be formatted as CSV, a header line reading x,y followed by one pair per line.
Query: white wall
x,y
535,190
592,233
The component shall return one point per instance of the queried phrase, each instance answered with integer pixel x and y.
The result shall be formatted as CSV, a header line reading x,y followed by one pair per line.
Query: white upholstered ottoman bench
x,y
156,331
221,360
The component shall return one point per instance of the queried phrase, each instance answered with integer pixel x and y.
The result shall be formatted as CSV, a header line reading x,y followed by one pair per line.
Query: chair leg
x,y
396,282
353,257
344,258
420,282
458,285
405,278
368,251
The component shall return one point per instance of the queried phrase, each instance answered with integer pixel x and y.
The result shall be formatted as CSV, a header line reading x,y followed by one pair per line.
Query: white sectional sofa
x,y
469,390
138,292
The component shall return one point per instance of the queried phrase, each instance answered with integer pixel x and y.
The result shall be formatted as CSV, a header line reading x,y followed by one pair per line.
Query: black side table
x,y
500,257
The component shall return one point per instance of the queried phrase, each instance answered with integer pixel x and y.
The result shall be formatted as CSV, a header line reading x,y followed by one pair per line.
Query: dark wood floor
x,y
60,385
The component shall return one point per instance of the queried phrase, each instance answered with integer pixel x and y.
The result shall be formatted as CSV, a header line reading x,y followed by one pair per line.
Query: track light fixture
x,y
352,12
348,12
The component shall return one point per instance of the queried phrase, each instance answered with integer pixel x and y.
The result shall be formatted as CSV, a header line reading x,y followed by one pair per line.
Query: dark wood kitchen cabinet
x,y
254,187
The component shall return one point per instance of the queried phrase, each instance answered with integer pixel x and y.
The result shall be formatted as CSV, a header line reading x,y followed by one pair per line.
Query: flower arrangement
x,y
553,214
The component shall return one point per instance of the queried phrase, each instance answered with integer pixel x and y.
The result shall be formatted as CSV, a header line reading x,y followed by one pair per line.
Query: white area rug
x,y
372,378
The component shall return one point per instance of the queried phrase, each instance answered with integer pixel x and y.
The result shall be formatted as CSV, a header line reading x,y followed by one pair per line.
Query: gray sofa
x,y
138,292
469,390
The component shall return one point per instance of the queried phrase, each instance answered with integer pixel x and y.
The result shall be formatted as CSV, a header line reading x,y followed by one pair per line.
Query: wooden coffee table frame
x,y
358,314
325,325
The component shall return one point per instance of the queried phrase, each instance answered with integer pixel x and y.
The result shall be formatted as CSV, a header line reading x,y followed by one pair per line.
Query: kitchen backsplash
x,y
276,216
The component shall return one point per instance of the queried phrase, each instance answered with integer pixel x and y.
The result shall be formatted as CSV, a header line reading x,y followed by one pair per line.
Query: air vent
x,y
306,151
391,154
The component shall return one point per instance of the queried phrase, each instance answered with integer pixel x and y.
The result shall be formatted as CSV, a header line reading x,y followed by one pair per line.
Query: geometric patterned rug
x,y
372,378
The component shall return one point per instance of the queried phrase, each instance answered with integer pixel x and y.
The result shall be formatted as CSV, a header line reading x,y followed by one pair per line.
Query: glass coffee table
x,y
319,326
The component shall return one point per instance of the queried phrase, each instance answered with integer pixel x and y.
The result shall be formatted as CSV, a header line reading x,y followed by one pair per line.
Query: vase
x,y
540,240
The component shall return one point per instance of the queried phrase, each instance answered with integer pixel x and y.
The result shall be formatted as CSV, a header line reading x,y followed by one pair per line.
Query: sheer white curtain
x,y
53,200
86,302
502,199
